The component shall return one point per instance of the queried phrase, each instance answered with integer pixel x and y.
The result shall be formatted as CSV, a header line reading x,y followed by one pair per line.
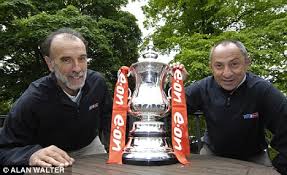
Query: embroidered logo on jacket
x,y
93,106
249,116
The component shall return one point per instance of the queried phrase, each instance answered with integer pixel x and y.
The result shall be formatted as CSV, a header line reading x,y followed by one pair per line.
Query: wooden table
x,y
200,165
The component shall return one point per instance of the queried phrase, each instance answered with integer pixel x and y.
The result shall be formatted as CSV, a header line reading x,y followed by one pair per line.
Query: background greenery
x,y
113,37
193,26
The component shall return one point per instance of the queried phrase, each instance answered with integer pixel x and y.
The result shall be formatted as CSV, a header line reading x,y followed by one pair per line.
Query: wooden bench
x,y
200,165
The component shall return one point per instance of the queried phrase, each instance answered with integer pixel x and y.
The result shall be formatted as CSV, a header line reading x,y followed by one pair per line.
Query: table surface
x,y
200,165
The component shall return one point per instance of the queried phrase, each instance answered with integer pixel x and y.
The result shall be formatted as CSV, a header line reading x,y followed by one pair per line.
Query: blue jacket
x,y
236,122
44,115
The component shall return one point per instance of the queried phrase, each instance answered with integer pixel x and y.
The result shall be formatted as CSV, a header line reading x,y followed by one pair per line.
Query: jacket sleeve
x,y
275,115
193,98
106,115
16,136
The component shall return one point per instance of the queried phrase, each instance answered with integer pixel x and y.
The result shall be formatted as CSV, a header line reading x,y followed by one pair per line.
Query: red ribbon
x,y
180,137
119,117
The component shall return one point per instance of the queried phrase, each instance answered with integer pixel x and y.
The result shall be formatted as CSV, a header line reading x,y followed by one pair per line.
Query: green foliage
x,y
195,26
113,37
5,107
272,152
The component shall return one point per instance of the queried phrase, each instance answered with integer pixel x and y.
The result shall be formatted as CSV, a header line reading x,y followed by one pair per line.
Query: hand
x,y
50,156
181,67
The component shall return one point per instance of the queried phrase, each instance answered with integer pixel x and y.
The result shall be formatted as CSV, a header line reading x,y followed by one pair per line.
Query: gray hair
x,y
239,44
67,32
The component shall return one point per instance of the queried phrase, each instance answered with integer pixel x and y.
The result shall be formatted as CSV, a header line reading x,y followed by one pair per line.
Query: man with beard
x,y
62,115
238,106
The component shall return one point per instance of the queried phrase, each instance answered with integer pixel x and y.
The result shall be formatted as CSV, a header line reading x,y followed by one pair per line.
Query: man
x,y
238,106
60,115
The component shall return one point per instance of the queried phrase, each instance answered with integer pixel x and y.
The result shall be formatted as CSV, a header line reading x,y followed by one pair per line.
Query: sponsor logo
x,y
250,116
177,87
118,119
93,106
178,120
117,134
120,89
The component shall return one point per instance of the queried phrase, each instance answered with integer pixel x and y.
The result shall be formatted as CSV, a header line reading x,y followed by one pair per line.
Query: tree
x,y
113,37
194,26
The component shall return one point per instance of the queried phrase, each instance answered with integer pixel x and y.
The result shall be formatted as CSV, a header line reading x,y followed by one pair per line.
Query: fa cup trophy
x,y
149,143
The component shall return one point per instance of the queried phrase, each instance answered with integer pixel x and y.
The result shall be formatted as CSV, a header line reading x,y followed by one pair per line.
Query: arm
x,y
18,141
193,98
105,126
16,137
275,115
17,155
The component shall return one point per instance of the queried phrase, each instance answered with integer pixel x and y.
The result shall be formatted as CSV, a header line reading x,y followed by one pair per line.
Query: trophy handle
x,y
129,98
129,94
168,93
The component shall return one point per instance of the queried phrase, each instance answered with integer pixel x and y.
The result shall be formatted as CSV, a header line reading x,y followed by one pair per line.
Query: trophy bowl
x,y
149,143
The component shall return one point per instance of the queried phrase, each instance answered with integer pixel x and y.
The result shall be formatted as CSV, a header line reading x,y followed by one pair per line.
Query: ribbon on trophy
x,y
119,117
180,139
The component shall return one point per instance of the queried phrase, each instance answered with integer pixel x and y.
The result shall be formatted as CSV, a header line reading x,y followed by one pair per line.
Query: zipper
x,y
227,101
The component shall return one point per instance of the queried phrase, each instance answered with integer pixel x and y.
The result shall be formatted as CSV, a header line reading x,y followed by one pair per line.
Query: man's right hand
x,y
181,67
50,156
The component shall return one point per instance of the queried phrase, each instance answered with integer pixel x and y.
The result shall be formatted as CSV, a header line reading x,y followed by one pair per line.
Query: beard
x,y
65,80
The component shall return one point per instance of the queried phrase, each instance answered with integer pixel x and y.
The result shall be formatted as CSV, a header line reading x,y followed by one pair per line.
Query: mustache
x,y
78,74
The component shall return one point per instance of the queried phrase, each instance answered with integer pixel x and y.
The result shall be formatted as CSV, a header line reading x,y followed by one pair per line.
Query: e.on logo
x,y
118,122
178,120
120,89
176,86
117,134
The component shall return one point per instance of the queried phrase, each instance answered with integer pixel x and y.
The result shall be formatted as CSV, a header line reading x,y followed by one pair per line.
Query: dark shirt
x,y
236,122
44,115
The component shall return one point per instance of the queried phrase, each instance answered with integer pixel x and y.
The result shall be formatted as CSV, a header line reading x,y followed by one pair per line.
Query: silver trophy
x,y
148,142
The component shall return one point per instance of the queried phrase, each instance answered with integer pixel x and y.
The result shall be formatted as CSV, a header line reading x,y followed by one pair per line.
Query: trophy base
x,y
144,159
148,145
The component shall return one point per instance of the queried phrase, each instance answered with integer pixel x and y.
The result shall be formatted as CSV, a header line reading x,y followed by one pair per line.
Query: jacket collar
x,y
234,90
59,91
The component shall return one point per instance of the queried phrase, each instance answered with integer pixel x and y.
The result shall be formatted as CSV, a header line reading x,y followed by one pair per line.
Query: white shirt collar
x,y
75,98
239,84
241,81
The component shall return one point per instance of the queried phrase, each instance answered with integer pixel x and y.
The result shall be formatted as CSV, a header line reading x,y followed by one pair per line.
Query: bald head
x,y
66,33
62,42
237,44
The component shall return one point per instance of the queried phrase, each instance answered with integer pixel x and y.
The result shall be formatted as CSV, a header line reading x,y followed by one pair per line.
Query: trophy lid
x,y
150,55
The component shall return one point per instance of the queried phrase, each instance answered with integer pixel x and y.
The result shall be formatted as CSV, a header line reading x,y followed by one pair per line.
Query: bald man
x,y
238,106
